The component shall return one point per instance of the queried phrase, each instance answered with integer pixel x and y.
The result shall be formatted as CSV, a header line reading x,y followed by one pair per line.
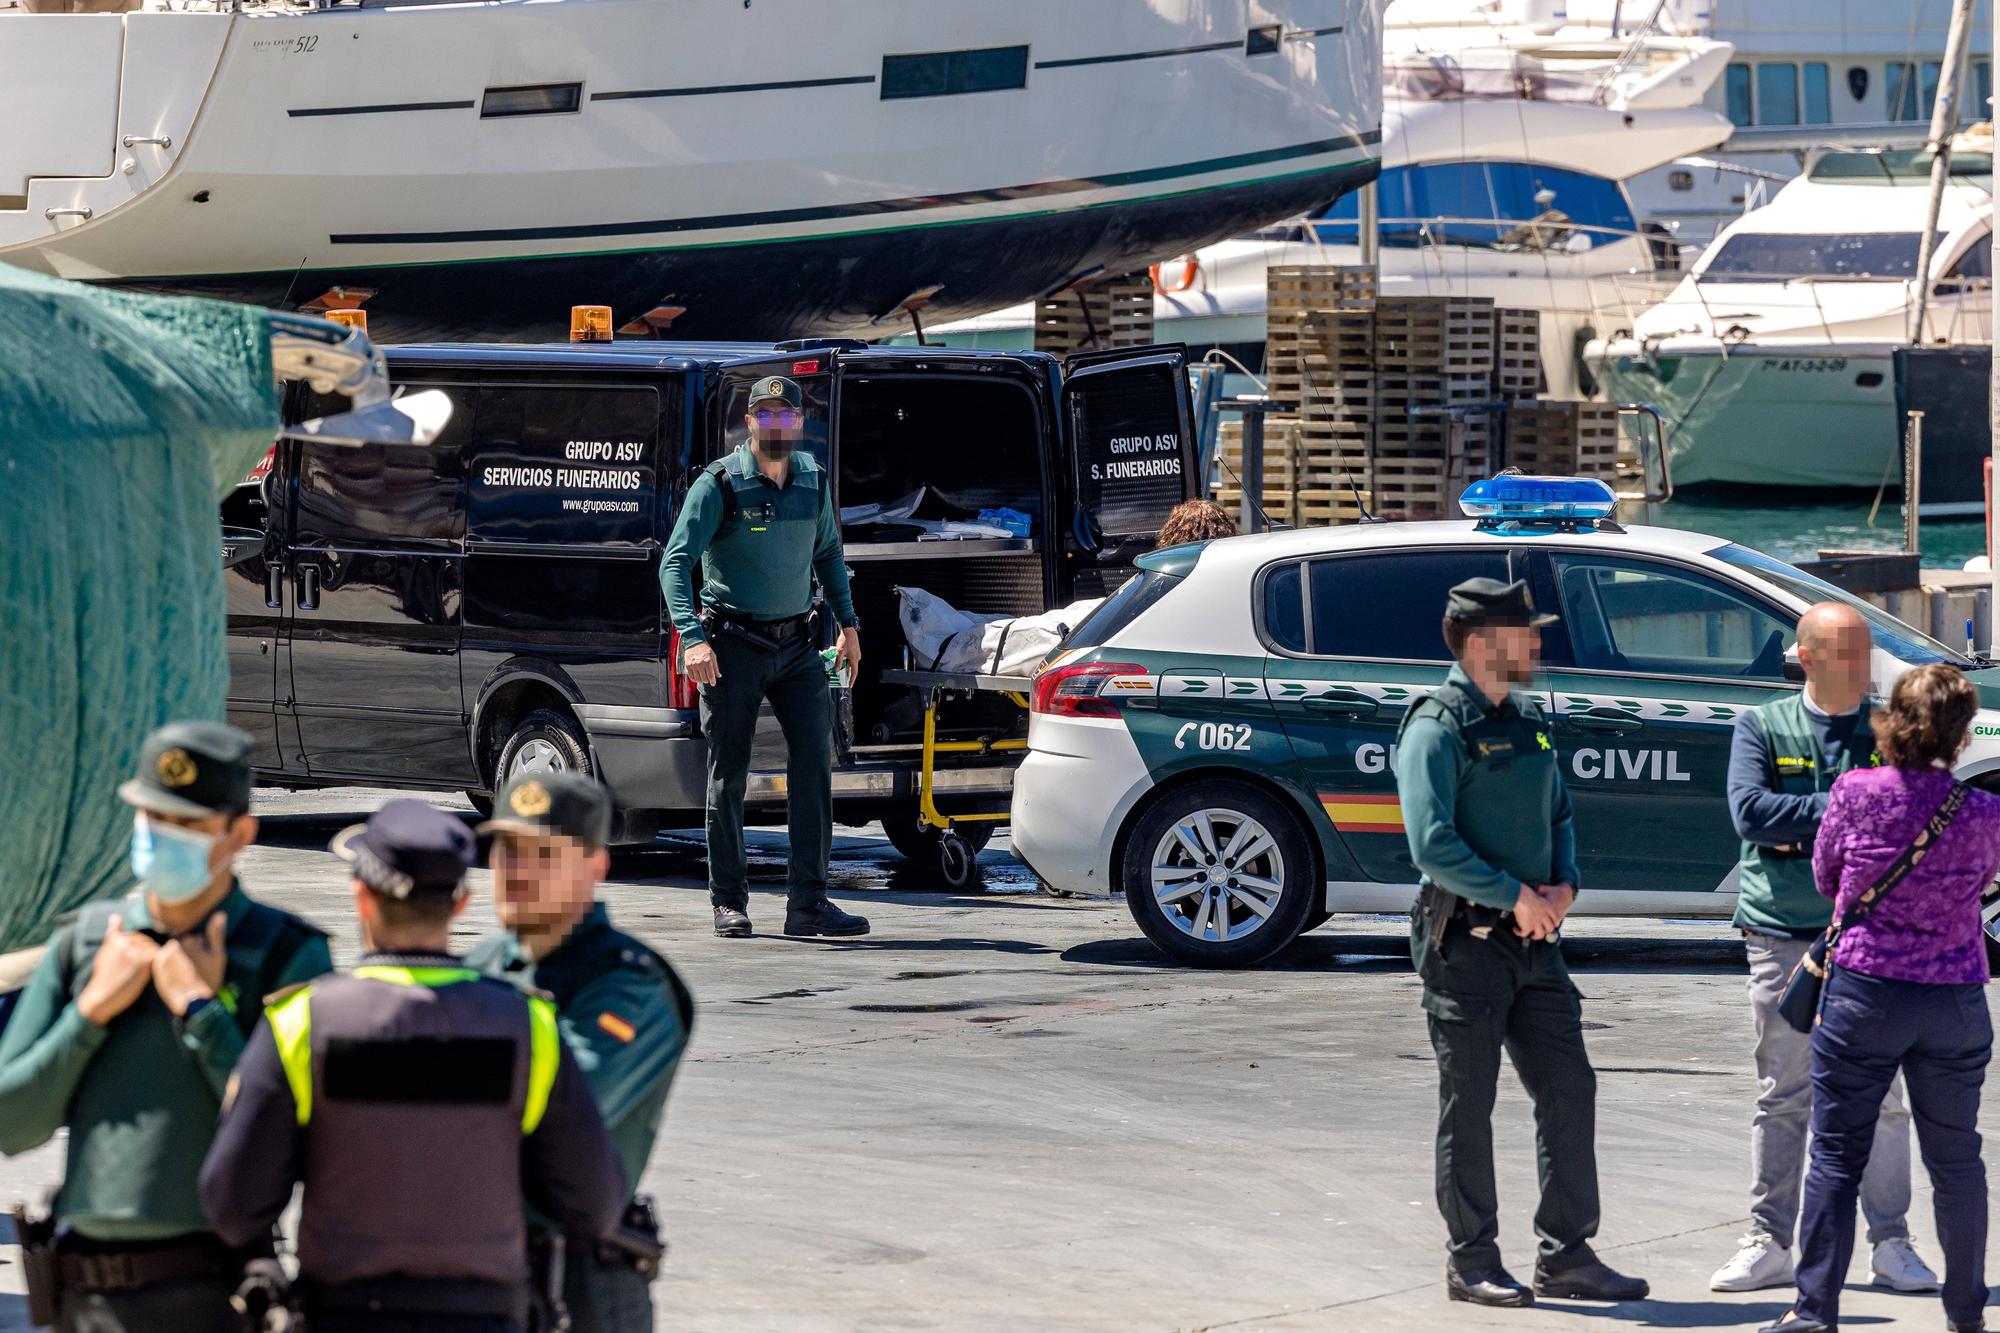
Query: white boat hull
x,y
740,161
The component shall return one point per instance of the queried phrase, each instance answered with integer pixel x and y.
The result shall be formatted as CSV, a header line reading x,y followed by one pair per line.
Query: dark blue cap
x,y
408,847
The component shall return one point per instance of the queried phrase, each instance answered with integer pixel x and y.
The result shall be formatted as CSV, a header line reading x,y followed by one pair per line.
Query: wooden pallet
x,y
1300,287
1277,504
1110,312
1517,353
1564,439
1326,508
1435,335
1281,456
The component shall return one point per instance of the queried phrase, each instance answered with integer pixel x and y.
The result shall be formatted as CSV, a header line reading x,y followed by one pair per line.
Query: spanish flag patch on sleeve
x,y
616,1026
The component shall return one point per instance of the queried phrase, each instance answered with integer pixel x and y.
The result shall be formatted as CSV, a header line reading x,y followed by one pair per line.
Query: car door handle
x,y
1342,705
1604,721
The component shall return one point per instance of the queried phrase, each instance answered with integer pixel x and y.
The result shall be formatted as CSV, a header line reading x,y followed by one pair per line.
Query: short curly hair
x,y
1927,717
1196,521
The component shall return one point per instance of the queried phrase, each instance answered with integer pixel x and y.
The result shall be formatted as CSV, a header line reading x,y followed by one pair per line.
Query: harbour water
x,y
1801,531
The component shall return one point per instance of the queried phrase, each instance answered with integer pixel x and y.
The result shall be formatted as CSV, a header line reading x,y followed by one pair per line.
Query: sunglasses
x,y
789,418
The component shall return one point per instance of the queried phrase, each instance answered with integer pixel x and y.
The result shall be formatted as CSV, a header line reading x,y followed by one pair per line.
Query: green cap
x,y
192,770
778,388
1491,602
553,805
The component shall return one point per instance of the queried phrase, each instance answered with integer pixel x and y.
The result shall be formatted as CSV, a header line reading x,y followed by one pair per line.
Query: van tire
x,y
551,740
918,841
482,805
1224,807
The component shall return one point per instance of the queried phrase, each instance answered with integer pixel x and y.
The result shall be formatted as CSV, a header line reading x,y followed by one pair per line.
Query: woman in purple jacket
x,y
1907,992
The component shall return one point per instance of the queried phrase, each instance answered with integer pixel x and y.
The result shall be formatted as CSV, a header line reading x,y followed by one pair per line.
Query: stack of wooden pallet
x,y
1564,439
1108,312
1295,490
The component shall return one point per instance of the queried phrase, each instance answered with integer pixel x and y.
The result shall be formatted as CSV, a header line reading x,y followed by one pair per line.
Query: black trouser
x,y
196,1305
1481,996
605,1295
1941,1037
794,679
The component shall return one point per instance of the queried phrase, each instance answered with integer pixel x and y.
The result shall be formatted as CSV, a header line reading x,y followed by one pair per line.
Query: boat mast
x,y
1944,124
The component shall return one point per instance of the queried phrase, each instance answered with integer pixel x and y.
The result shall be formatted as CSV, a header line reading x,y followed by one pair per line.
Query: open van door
x,y
811,369
1128,426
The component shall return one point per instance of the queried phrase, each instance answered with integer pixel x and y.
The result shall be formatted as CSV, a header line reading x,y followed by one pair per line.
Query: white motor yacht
x,y
1500,178
1772,358
773,169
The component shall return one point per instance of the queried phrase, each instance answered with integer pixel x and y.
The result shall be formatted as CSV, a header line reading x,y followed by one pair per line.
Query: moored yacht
x,y
731,168
1771,359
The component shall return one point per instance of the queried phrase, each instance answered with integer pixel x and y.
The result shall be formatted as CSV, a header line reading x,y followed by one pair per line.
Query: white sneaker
x,y
1761,1263
1897,1265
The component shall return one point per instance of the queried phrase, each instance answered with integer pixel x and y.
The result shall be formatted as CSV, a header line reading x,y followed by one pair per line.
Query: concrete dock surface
x,y
1004,1110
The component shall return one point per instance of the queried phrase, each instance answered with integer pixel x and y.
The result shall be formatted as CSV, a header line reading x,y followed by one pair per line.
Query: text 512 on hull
x,y
777,168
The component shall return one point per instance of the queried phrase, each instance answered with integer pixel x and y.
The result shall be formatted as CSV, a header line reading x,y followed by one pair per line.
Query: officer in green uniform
x,y
418,1103
762,525
1490,829
127,1035
623,1011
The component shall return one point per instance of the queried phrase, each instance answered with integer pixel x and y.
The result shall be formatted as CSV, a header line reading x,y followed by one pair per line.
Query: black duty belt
x,y
399,1293
103,1266
765,634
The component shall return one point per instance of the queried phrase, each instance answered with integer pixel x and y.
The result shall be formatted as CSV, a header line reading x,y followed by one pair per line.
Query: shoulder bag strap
x,y
1920,846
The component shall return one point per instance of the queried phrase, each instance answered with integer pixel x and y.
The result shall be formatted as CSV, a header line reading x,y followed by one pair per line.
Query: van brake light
x,y
1075,691
682,692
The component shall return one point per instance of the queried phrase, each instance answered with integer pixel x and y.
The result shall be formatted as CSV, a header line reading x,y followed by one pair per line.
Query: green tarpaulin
x,y
122,420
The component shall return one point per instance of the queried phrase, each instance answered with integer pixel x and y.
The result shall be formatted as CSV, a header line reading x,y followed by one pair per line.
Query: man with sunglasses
x,y
762,525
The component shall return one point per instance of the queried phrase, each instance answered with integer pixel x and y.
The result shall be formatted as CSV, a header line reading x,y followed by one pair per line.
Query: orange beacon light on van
x,y
348,319
590,323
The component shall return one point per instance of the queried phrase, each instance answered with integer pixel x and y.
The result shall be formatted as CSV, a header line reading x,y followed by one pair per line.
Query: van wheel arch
x,y
509,697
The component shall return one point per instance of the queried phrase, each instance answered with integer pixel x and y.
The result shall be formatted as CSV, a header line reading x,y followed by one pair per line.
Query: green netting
x,y
122,418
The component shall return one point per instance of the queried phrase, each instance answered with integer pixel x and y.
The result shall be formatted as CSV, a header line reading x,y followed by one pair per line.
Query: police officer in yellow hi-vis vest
x,y
419,1103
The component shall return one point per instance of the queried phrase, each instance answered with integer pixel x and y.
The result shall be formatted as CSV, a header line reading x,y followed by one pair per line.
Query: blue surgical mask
x,y
171,861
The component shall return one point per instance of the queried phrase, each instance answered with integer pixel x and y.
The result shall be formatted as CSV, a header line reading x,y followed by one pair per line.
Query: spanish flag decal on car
x,y
616,1026
1357,812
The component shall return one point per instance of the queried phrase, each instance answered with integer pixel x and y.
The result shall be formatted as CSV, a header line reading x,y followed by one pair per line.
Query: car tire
x,y
918,841
544,740
481,805
1216,925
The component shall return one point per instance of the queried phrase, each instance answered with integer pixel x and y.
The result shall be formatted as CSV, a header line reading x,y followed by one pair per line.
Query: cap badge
x,y
530,798
175,768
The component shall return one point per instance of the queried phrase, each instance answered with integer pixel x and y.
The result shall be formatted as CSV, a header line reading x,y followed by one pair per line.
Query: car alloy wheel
x,y
1218,875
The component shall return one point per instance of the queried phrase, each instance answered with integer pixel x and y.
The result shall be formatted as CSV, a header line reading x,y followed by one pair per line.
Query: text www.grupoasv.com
x,y
602,506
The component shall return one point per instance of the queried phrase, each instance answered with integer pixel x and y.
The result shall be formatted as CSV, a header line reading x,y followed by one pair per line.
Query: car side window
x,y
1636,616
1391,605
1285,608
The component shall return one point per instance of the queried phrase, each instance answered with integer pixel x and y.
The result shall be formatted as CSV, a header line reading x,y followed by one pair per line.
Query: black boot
x,y
1581,1275
1799,1324
1486,1286
732,923
823,918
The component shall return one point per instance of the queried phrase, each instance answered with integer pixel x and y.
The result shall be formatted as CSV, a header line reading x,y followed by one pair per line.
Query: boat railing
x,y
1960,311
1549,233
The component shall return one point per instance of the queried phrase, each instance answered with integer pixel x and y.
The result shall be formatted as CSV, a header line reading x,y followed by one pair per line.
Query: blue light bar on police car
x,y
1528,499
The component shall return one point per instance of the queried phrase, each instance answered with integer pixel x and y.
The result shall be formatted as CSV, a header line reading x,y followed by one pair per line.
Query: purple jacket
x,y
1927,929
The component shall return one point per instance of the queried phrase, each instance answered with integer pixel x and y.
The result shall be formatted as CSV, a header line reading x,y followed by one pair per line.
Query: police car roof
x,y
657,355
1267,546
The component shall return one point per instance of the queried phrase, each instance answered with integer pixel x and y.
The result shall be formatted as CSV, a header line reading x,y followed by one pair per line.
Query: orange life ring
x,y
1188,272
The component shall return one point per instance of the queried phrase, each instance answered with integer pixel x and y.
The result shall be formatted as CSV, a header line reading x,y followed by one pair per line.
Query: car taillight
x,y
1076,691
681,691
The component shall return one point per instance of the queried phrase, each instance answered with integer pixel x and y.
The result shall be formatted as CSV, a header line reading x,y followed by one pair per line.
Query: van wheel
x,y
918,841
1218,874
546,741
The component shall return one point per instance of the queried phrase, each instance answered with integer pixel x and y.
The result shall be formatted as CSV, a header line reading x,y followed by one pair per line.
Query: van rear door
x,y
1128,426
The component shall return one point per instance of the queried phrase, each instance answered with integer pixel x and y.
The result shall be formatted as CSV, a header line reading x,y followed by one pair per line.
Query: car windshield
x,y
1772,257
1890,634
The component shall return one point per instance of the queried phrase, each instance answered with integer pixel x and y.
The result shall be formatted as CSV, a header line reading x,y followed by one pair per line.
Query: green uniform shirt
x,y
624,1015
762,562
1483,798
139,1095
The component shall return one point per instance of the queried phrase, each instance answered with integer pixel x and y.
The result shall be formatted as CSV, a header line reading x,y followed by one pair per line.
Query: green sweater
x,y
761,563
139,1095
1483,799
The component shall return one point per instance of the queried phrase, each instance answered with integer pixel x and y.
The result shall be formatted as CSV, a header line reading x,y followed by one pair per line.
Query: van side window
x,y
351,496
564,464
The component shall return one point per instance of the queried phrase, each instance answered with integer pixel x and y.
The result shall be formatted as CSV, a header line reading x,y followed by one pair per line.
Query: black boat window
x,y
1263,41
542,99
948,73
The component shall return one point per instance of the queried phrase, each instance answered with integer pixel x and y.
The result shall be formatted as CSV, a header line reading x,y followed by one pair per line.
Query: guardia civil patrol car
x,y
1215,740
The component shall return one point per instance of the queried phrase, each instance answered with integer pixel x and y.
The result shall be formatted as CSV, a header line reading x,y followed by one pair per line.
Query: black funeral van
x,y
443,617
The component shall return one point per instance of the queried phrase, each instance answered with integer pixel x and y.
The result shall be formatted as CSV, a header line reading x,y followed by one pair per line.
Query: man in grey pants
x,y
1783,759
